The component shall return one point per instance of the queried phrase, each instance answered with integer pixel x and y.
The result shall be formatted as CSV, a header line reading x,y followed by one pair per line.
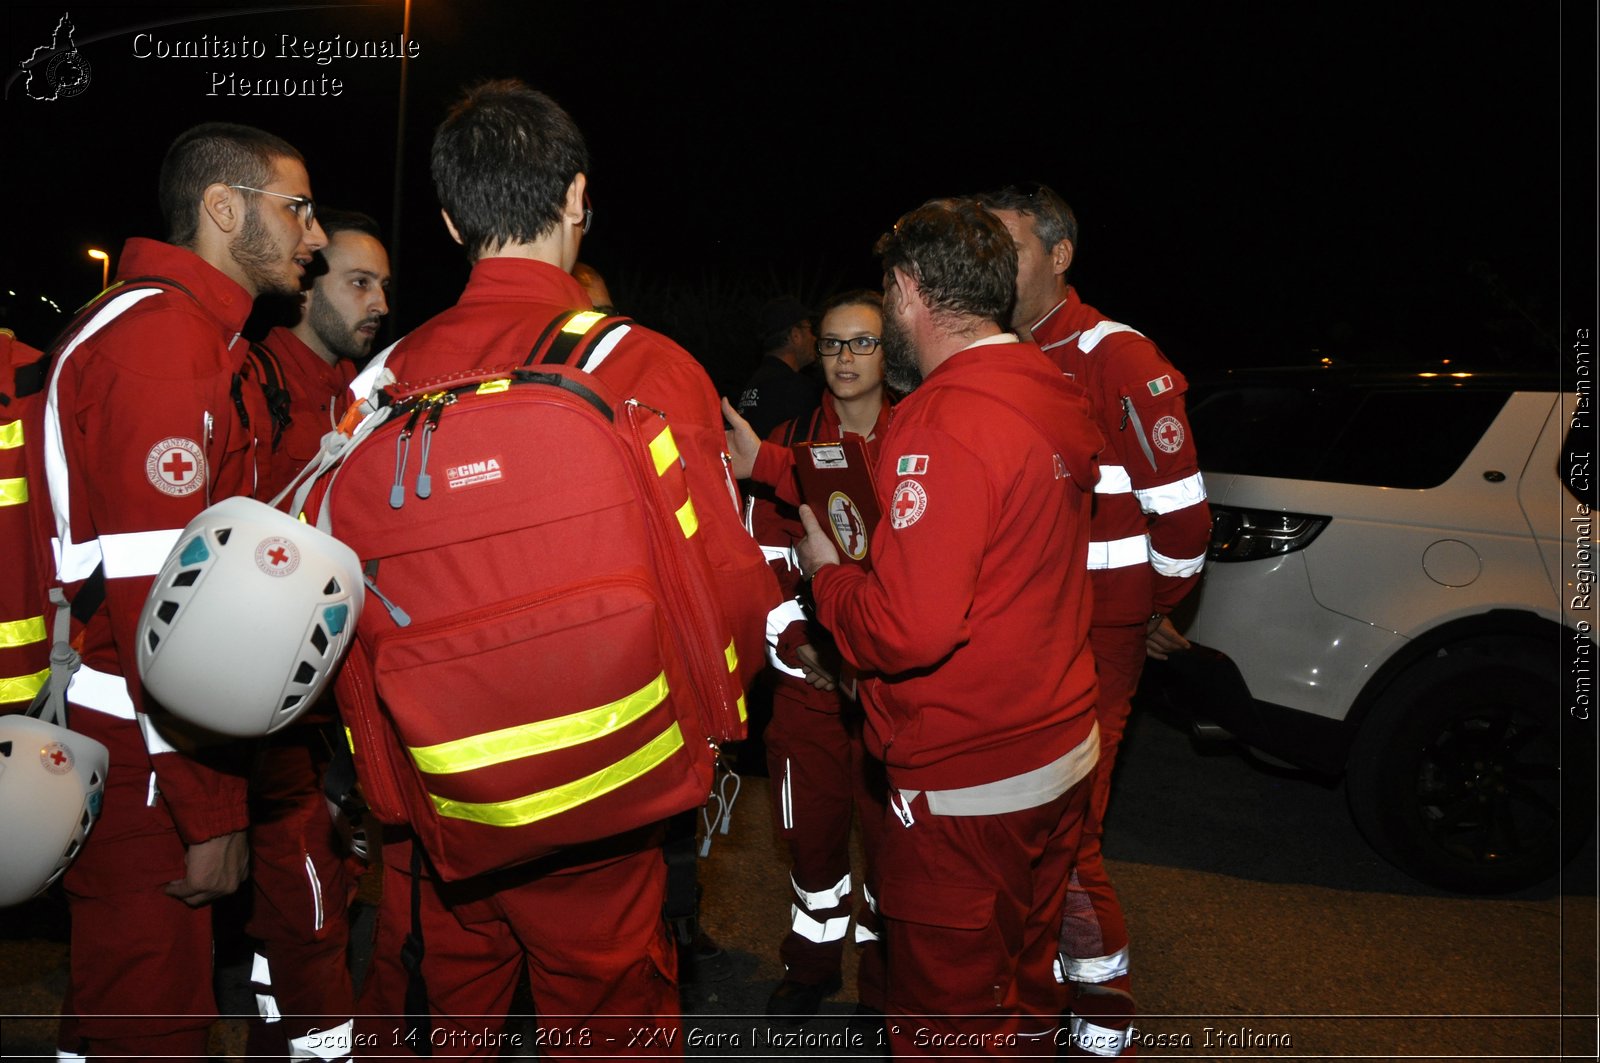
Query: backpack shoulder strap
x,y
30,379
574,337
272,385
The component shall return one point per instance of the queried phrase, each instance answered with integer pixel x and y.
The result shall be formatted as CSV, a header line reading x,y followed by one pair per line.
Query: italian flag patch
x,y
912,465
1159,385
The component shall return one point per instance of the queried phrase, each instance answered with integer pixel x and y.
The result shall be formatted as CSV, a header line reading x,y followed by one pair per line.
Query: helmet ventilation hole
x,y
222,535
305,673
319,640
332,587
166,611
186,578
5,749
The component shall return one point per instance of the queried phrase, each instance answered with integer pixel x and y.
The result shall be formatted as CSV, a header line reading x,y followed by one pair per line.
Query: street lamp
x,y
105,266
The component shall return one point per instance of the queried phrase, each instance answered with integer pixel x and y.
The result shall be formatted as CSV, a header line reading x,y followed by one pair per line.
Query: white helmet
x,y
51,783
248,618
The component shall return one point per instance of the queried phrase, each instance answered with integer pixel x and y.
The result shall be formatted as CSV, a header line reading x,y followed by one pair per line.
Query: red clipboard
x,y
836,482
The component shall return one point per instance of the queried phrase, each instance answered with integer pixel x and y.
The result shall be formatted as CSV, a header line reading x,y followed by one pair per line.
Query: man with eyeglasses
x,y
782,388
971,633
1150,530
146,425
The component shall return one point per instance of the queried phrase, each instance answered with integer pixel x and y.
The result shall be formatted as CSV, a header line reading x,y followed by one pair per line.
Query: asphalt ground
x,y
1262,927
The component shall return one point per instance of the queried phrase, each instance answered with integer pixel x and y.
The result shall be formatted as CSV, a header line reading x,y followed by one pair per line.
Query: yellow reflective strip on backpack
x,y
733,657
22,687
520,811
494,387
21,632
743,715
545,736
688,520
13,492
664,449
582,323
10,435
350,739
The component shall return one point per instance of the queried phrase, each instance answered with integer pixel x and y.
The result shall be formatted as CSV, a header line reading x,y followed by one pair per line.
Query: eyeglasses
x,y
303,208
831,348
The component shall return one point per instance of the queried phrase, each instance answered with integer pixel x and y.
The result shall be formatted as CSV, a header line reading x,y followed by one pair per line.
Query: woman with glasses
x,y
820,770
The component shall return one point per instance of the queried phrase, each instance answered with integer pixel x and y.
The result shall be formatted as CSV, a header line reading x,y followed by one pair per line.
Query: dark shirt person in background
x,y
781,389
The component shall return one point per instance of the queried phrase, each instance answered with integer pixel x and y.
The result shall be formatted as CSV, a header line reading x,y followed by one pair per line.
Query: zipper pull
x,y
1127,408
424,481
402,453
400,617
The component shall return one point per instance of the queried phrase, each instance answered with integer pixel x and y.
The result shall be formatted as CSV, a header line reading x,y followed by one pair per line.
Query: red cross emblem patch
x,y
56,758
910,502
1167,434
277,556
176,466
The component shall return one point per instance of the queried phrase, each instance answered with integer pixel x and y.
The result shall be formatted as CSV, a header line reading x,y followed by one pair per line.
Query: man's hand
x,y
215,868
819,674
1161,638
743,443
817,548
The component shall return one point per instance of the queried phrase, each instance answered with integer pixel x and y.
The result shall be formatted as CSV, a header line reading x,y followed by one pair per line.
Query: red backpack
x,y
551,667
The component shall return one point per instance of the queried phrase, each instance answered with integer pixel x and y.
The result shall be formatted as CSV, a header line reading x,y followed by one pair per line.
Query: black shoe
x,y
702,960
797,1002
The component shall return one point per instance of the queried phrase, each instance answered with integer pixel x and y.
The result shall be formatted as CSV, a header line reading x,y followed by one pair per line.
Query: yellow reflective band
x,y
743,715
546,736
582,323
349,739
13,492
664,449
21,632
494,387
10,435
22,687
687,520
543,804
733,657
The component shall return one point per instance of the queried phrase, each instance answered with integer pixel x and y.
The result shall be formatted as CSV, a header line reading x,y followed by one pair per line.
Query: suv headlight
x,y
1252,534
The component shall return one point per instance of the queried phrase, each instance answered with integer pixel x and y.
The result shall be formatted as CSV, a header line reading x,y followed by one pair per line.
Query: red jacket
x,y
151,433
507,303
1151,524
975,615
318,396
776,526
24,641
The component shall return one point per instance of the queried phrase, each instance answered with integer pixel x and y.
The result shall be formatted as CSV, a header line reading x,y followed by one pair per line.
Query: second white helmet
x,y
51,784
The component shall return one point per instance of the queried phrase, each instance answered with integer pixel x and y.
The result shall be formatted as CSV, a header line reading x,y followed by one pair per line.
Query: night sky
x,y
1256,182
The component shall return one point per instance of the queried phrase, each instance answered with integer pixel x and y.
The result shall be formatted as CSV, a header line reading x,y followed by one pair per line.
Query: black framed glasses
x,y
860,345
303,208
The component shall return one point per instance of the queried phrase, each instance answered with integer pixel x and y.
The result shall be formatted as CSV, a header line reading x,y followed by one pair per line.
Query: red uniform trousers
x,y
302,886
119,908
585,924
971,909
1094,936
821,773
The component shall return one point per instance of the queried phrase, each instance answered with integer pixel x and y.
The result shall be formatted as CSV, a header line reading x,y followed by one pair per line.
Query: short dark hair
x,y
1053,220
961,256
502,162
208,154
335,221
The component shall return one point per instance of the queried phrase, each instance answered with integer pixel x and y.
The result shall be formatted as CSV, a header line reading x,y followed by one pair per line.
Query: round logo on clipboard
x,y
849,530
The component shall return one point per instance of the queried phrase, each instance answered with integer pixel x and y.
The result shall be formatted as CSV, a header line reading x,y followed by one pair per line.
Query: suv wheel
x,y
1454,777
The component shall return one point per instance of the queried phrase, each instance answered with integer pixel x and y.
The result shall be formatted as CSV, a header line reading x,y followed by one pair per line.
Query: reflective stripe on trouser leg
x,y
332,1043
866,934
63,1056
816,930
1099,1040
261,978
822,900
1092,969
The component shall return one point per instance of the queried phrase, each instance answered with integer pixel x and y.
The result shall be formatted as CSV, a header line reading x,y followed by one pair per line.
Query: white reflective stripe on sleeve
x,y
1091,339
332,1043
817,930
1113,481
778,621
1168,498
154,741
1096,969
137,553
69,556
822,900
1179,567
1120,553
604,348
366,382
102,692
260,970
1099,1040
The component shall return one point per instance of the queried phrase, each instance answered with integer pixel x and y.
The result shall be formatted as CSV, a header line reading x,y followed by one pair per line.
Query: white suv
x,y
1384,598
